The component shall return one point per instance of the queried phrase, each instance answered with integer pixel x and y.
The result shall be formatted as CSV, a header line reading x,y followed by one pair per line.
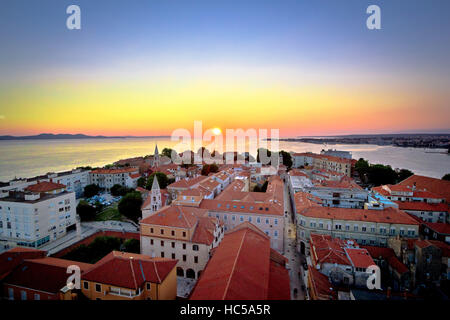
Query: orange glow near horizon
x,y
122,109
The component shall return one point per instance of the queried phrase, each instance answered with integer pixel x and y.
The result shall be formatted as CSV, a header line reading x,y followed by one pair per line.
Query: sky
x,y
150,67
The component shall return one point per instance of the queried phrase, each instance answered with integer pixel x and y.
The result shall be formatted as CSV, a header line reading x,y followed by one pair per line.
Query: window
x,y
148,286
276,221
184,257
338,227
173,244
195,259
347,227
23,295
184,246
184,233
249,219
162,254
86,285
172,232
162,231
364,228
355,228
98,287
275,234
258,220
267,221
151,230
162,243
173,255
151,241
37,296
241,218
233,218
195,247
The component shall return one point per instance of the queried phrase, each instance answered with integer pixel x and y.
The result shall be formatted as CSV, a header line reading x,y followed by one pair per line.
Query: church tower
x,y
156,157
155,201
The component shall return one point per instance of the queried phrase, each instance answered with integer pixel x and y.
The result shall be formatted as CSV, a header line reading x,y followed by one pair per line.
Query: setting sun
x,y
217,131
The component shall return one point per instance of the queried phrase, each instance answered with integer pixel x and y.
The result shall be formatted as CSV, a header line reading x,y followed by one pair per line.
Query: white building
x,y
107,178
43,212
75,180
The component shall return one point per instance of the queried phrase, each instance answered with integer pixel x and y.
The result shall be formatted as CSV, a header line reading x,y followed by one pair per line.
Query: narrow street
x,y
294,264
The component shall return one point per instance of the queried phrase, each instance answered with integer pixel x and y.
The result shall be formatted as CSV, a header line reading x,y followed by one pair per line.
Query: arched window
x,y
180,272
190,274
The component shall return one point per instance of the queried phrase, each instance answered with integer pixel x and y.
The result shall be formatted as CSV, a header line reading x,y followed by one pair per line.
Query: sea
x,y
29,158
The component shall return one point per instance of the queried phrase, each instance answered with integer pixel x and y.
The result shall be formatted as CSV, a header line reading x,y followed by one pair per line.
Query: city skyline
x,y
308,69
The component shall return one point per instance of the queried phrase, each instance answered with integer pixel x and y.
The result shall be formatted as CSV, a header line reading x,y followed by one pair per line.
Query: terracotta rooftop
x,y
422,206
187,183
134,270
14,257
387,215
44,274
241,269
442,228
45,186
437,186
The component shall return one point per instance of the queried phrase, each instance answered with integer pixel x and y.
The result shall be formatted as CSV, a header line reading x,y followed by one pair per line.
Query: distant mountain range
x,y
46,136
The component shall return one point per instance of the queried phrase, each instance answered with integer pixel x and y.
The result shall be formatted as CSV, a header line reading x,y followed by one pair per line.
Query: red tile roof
x,y
240,269
129,270
46,274
445,248
187,183
321,285
422,206
359,257
45,186
377,252
387,215
325,249
442,228
175,216
437,186
14,257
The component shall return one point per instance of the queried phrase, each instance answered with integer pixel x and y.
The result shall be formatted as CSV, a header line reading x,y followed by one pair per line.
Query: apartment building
x,y
365,226
421,203
75,180
184,233
44,212
323,162
263,209
107,178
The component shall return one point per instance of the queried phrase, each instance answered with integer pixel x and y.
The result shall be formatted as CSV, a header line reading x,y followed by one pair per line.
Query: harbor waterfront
x,y
23,158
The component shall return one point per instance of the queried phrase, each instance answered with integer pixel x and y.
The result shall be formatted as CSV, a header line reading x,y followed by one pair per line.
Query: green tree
x,y
132,246
141,182
86,211
167,152
446,177
115,190
362,167
91,190
130,205
287,159
403,174
380,174
163,181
